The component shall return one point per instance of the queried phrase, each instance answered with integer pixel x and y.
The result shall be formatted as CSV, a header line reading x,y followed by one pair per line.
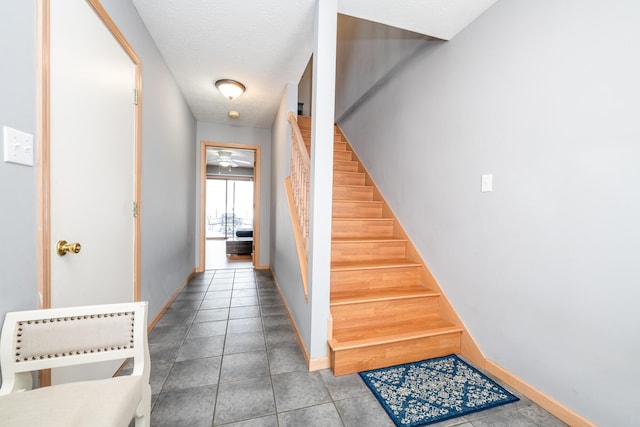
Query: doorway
x,y
229,206
89,164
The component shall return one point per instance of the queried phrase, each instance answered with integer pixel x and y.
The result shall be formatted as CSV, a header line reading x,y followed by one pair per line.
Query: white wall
x,y
284,255
321,179
245,135
168,182
543,270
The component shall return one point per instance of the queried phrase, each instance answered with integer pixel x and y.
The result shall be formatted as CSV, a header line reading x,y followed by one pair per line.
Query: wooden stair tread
x,y
362,219
415,290
348,173
370,265
382,334
365,202
366,239
351,185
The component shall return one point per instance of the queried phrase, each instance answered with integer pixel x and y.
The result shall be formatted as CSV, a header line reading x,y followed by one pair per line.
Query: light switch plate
x,y
487,183
18,146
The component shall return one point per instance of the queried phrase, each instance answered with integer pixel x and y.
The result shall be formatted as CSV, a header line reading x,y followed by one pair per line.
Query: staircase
x,y
385,305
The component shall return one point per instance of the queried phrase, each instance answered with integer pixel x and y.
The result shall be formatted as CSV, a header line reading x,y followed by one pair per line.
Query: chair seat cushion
x,y
104,403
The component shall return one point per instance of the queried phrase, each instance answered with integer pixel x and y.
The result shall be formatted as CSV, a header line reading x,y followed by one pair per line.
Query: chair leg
x,y
143,412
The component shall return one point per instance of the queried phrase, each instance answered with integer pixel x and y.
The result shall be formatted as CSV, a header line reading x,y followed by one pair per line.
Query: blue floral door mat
x,y
433,390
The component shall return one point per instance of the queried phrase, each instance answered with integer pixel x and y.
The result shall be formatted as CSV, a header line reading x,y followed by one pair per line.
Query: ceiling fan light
x,y
230,88
224,163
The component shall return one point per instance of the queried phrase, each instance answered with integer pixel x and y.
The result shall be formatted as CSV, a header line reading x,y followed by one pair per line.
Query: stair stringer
x,y
468,346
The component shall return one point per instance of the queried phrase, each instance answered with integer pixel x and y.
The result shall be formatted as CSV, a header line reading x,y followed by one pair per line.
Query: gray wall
x,y
18,184
543,270
284,255
305,88
245,135
168,181
380,47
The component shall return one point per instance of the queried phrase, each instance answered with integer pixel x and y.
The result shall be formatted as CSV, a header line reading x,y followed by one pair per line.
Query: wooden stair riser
x,y
352,192
306,133
379,313
373,357
345,166
361,227
339,146
306,126
342,155
378,278
368,250
348,178
347,209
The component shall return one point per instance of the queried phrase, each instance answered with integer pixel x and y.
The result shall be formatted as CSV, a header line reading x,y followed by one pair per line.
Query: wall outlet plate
x,y
18,146
487,183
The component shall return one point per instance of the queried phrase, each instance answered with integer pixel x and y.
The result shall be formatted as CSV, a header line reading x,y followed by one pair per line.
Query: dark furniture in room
x,y
241,243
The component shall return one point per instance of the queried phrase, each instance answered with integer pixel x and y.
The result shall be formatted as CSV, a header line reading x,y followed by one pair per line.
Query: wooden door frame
x,y
44,144
203,199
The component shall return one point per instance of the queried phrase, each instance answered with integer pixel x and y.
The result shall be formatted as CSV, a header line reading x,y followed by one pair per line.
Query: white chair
x,y
52,338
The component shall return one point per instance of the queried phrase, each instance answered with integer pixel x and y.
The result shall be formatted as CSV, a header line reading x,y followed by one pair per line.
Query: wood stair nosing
x,y
373,265
364,337
362,296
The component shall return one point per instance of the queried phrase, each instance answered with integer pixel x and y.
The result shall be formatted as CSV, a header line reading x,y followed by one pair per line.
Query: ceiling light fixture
x,y
224,158
234,114
230,88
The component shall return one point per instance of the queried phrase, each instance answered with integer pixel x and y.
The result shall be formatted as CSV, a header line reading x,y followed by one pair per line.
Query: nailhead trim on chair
x,y
65,319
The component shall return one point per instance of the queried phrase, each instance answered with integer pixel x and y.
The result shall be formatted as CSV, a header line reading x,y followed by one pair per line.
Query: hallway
x,y
225,353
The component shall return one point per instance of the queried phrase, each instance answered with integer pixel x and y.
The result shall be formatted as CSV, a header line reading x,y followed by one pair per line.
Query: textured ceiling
x,y
267,44
263,44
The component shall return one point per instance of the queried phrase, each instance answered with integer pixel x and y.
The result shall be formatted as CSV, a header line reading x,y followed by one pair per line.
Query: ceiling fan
x,y
226,159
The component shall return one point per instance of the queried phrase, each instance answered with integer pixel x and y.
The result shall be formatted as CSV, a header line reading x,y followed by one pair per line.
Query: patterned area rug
x,y
426,392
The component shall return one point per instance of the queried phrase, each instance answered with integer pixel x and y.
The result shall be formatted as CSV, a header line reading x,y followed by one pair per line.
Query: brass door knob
x,y
63,247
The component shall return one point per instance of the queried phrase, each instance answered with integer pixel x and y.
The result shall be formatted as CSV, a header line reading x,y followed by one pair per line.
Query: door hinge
x,y
135,209
135,97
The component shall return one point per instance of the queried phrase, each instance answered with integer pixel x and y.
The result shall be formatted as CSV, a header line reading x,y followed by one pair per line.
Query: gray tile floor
x,y
225,354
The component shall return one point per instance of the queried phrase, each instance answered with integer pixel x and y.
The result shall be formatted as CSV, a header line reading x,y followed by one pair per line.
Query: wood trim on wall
x,y
170,301
314,364
44,150
556,408
256,200
44,145
43,168
43,162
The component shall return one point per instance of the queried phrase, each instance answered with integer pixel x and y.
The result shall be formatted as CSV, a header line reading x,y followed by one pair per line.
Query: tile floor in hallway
x,y
225,354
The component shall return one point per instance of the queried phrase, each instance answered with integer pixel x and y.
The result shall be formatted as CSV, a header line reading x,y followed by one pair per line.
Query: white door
x,y
92,160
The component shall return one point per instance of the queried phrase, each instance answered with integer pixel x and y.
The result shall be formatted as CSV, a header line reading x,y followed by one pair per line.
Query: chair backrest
x,y
51,338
